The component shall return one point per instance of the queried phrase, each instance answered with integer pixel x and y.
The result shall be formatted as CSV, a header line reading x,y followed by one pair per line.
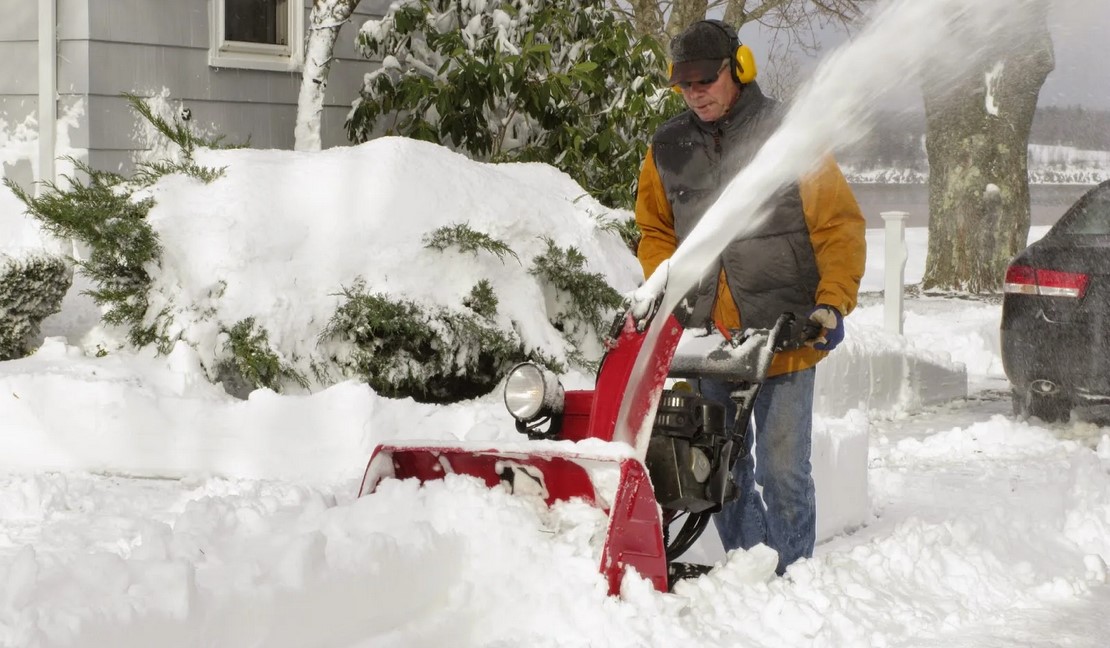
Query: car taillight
x,y
1020,279
1061,284
1049,283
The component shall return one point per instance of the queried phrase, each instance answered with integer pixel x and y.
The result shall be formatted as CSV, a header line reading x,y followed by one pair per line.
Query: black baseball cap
x,y
698,52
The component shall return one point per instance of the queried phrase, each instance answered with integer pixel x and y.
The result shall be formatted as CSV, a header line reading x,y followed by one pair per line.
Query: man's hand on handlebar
x,y
831,323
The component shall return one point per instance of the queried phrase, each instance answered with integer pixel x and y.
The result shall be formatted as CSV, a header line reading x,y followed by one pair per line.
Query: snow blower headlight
x,y
533,396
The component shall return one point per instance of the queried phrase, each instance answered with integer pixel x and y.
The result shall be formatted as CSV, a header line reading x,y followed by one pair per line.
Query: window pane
x,y
255,21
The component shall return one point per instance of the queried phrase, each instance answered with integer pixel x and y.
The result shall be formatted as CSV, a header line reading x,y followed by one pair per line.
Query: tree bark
x,y
683,14
647,17
324,23
977,135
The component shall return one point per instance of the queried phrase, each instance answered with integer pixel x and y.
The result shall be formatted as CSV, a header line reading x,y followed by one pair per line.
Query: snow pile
x,y
858,174
295,229
977,532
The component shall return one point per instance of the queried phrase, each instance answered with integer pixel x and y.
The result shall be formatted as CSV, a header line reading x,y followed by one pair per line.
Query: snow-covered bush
x,y
251,361
443,354
583,303
293,271
105,214
566,82
354,266
430,354
31,289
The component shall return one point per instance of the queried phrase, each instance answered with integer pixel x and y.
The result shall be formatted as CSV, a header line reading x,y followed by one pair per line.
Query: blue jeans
x,y
777,505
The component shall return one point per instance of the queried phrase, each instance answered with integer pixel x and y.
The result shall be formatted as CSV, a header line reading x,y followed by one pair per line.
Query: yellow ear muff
x,y
745,64
670,70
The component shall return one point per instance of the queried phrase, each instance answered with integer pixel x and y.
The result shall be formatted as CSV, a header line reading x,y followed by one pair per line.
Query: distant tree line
x,y
897,139
1075,126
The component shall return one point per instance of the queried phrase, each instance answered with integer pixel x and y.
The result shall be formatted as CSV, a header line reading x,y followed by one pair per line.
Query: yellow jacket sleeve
x,y
837,231
658,240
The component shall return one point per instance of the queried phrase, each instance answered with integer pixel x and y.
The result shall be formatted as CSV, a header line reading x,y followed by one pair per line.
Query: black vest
x,y
771,269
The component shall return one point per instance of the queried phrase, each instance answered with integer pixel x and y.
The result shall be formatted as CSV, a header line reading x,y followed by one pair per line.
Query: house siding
x,y
19,73
147,47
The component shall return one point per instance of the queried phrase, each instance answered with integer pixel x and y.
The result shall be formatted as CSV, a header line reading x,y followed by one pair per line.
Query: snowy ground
x,y
985,532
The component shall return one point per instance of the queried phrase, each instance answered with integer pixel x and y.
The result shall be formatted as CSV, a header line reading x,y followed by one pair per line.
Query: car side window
x,y
1090,216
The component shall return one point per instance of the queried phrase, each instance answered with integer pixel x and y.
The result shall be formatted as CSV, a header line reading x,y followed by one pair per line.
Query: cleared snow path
x,y
985,534
1003,524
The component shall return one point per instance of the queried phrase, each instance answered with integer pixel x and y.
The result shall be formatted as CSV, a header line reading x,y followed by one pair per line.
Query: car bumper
x,y
1071,357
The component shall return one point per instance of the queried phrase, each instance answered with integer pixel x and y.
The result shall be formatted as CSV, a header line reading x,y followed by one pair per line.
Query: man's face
x,y
710,99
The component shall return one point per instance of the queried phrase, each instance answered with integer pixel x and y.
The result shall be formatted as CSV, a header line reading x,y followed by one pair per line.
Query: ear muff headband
x,y
743,62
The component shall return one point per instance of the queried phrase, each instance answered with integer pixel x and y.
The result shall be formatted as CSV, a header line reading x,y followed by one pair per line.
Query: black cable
x,y
691,530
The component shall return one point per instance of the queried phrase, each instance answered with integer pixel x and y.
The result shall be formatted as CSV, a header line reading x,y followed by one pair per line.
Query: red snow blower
x,y
685,471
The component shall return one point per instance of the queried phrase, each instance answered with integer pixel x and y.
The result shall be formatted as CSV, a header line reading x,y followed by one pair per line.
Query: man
x,y
806,257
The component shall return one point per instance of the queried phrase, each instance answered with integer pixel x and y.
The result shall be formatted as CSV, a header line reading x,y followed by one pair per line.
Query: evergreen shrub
x,y
586,302
432,354
467,239
482,300
31,289
252,359
104,214
565,82
107,212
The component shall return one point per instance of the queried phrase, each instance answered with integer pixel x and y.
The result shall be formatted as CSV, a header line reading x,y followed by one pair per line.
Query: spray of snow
x,y
832,110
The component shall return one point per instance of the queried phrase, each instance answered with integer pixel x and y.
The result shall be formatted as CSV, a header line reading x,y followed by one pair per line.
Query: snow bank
x,y
884,373
159,417
282,233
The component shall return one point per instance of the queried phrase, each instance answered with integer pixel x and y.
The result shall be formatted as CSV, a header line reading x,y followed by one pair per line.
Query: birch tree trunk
x,y
977,135
324,23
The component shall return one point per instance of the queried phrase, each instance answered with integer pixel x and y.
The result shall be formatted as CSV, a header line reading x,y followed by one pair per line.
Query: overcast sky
x,y
1080,31
1081,40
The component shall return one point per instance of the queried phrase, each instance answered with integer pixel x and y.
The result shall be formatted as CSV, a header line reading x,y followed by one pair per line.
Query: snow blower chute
x,y
684,471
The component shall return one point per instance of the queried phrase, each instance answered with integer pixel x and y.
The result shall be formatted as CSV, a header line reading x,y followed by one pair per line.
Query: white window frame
x,y
223,53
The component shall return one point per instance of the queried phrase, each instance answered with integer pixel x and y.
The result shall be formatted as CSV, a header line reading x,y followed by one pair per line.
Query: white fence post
x,y
894,269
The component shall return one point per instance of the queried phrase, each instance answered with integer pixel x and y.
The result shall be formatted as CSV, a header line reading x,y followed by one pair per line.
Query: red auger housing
x,y
683,469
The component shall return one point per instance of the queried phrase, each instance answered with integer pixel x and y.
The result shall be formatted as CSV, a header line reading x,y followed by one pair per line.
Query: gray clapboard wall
x,y
107,47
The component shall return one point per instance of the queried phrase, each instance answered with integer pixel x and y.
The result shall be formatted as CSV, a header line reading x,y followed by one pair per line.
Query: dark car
x,y
1056,315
